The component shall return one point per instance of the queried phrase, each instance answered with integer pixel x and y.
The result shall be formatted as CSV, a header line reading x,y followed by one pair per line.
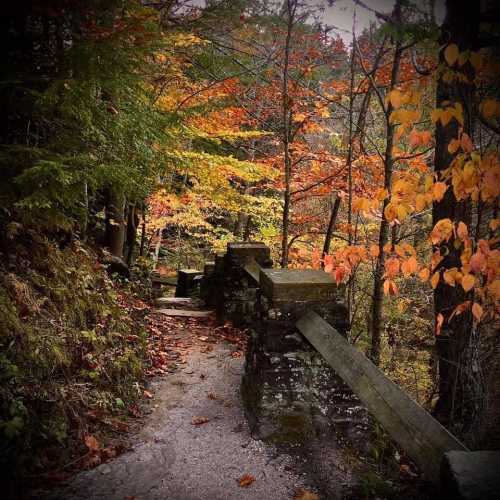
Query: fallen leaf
x,y
303,494
148,394
91,443
246,480
199,420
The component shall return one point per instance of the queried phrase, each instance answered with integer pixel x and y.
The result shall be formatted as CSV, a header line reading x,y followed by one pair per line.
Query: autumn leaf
x,y
477,311
435,280
409,266
199,420
303,494
374,251
462,231
468,281
438,190
424,274
439,323
451,54
91,443
246,480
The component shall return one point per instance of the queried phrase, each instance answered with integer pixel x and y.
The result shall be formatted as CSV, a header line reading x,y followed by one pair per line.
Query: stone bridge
x,y
303,378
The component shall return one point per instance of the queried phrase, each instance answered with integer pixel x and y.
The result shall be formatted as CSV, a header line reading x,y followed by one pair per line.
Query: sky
x,y
340,14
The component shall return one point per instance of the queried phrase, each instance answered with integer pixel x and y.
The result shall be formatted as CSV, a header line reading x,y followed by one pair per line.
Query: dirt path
x,y
174,459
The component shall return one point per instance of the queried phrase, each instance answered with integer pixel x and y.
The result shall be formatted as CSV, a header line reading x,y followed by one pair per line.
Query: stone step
x,y
184,313
186,303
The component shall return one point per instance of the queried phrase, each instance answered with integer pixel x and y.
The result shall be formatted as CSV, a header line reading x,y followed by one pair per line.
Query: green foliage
x,y
68,354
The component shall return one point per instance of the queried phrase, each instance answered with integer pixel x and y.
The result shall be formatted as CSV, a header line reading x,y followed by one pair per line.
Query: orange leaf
x,y
374,251
199,420
303,494
468,281
386,287
91,443
438,190
435,280
409,266
451,54
340,272
477,262
466,143
246,480
449,276
477,311
424,274
439,323
392,267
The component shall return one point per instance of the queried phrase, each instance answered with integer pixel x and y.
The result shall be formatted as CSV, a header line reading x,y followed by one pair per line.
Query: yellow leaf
x,y
435,280
446,116
451,54
436,114
395,98
468,281
477,311
299,117
420,202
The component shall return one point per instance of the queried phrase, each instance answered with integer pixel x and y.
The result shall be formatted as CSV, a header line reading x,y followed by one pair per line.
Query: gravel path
x,y
176,460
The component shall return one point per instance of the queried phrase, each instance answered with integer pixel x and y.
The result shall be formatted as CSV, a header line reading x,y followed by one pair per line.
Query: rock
x,y
471,475
116,265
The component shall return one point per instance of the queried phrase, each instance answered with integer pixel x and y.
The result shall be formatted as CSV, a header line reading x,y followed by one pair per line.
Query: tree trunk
x,y
378,295
115,224
457,393
291,6
329,231
132,223
143,231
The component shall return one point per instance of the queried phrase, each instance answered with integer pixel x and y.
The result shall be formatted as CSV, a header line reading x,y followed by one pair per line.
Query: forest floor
x,y
195,442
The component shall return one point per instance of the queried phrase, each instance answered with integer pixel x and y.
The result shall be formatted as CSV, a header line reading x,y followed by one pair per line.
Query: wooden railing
x,y
414,429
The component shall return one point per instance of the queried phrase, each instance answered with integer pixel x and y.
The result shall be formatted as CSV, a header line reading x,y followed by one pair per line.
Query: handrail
x,y
414,429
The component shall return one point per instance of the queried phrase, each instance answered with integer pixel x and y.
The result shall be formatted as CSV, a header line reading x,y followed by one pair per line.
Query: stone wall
x,y
290,392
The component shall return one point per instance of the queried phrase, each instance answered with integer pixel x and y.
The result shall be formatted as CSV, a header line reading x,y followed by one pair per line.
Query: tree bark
x,y
291,6
457,390
115,224
331,226
378,295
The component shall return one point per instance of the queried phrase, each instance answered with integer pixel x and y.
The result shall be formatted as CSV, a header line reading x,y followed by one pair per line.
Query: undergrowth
x,y
66,350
